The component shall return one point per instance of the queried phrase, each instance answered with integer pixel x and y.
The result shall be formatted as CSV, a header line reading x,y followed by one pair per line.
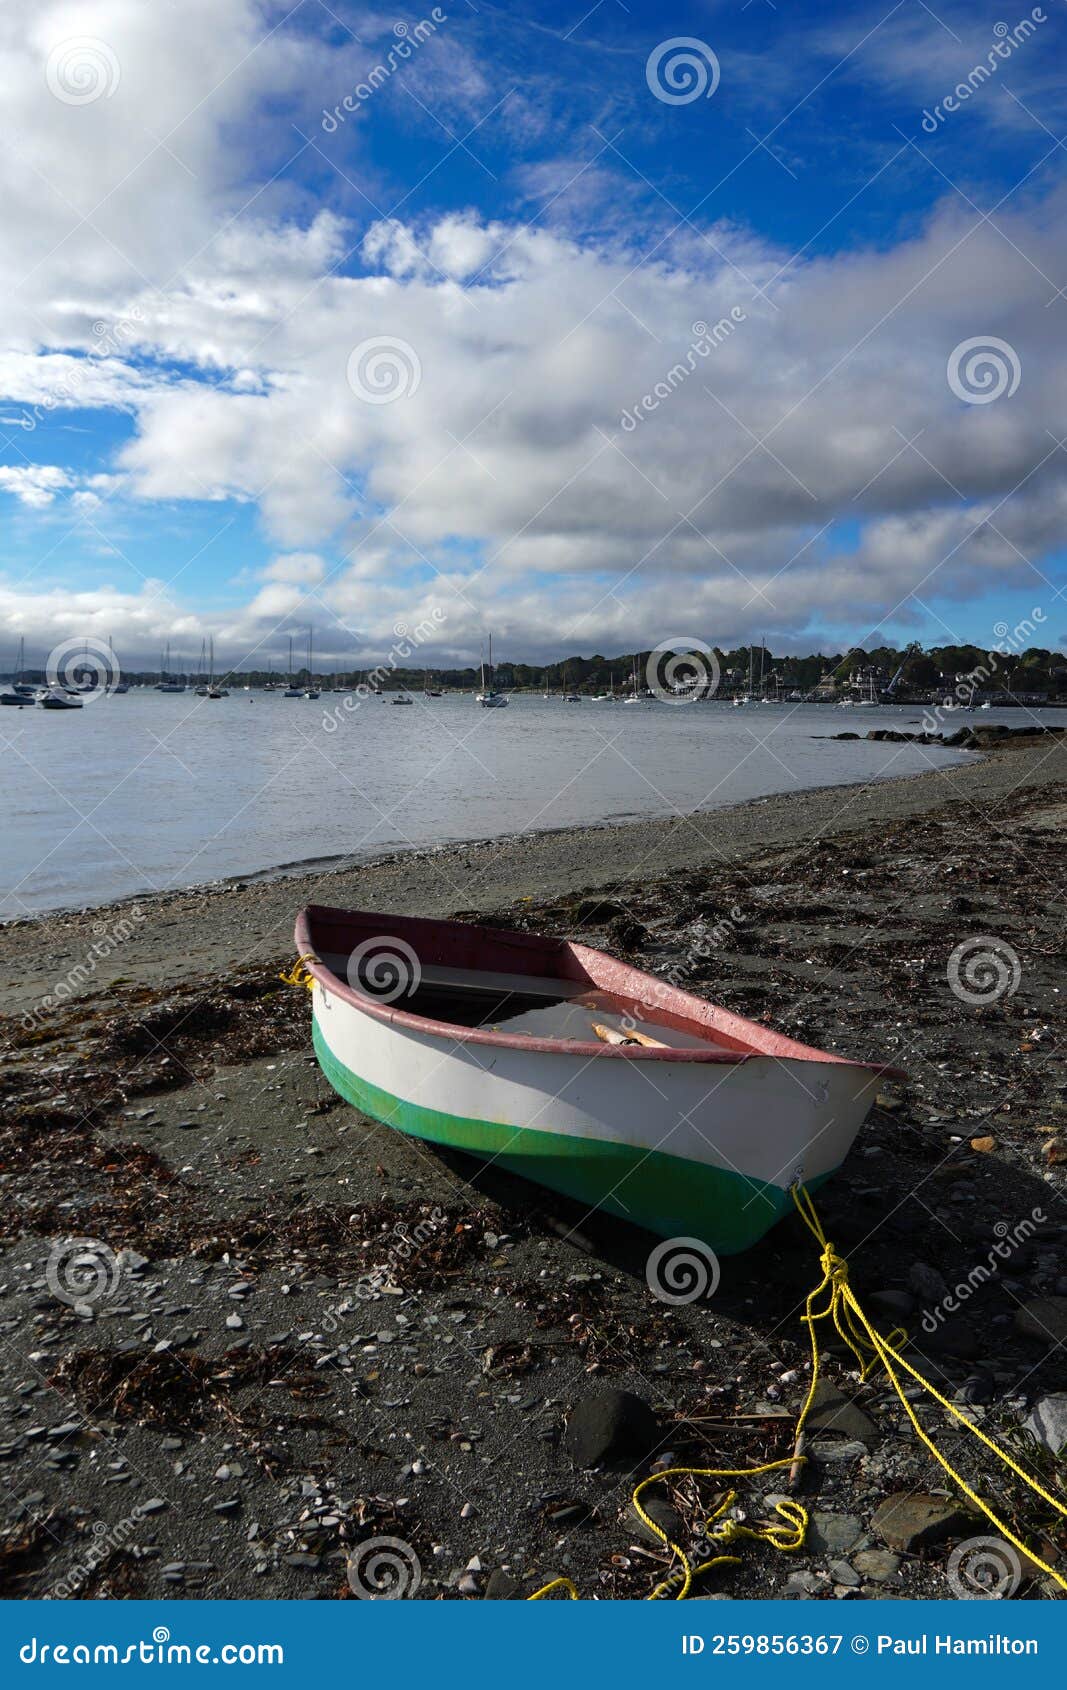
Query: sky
x,y
592,326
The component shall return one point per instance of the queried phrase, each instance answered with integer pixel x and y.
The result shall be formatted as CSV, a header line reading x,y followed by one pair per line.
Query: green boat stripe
x,y
670,1195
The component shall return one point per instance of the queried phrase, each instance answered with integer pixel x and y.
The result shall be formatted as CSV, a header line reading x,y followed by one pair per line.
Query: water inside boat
x,y
542,1007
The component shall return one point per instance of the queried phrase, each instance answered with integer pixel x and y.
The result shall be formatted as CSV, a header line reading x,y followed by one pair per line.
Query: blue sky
x,y
365,319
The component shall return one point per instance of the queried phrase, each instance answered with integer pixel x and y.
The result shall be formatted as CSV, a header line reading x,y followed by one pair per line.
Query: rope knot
x,y
834,1266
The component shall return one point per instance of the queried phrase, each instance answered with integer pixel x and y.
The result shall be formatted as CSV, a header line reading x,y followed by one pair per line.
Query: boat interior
x,y
500,986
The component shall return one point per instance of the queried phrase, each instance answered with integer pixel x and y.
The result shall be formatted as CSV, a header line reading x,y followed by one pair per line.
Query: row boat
x,y
560,1063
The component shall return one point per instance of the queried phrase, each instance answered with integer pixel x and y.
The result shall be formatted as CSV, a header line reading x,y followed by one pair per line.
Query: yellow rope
x,y
298,975
869,1347
853,1326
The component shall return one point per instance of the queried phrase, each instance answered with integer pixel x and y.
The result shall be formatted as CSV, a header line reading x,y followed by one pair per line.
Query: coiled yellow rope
x,y
298,975
839,1305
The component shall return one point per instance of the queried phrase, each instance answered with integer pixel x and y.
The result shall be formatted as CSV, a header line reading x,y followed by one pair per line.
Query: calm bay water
x,y
148,791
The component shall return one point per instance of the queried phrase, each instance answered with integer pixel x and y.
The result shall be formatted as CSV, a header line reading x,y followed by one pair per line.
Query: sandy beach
x,y
236,1415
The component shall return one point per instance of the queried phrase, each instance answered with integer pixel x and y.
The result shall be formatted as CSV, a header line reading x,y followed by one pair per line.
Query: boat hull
x,y
698,1151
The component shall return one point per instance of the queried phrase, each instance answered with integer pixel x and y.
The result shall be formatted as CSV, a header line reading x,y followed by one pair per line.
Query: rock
x,y
614,1426
842,1573
1044,1319
665,1515
898,1304
878,1565
833,1534
912,1520
832,1412
985,1144
977,1389
1048,1422
836,1449
927,1283
154,1505
807,1584
503,1587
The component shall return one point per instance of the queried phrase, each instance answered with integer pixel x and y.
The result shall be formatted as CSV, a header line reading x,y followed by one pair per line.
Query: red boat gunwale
x,y
459,944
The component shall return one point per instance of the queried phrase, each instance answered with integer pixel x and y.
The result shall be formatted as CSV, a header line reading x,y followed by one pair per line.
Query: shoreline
x,y
313,867
233,922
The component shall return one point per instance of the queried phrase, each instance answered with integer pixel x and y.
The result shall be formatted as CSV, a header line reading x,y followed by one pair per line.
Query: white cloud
x,y
153,267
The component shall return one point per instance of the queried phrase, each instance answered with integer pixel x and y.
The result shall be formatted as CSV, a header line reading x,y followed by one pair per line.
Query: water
x,y
148,791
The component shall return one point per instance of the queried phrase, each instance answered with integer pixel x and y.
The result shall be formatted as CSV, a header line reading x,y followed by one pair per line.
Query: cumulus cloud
x,y
582,431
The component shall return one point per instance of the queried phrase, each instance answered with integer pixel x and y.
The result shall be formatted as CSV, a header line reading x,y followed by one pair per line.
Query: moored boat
x,y
577,1071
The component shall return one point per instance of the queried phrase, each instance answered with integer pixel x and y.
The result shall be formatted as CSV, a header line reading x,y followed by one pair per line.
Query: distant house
x,y
827,687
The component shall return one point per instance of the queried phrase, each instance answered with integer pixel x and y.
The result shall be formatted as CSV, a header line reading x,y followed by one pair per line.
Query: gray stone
x,y
806,1584
842,1573
833,1534
1048,1422
613,1426
927,1283
503,1586
667,1517
832,1412
878,1565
